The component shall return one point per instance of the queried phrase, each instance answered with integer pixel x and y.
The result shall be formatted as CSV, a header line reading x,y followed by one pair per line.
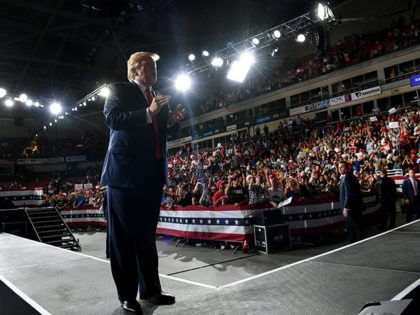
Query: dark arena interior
x,y
277,96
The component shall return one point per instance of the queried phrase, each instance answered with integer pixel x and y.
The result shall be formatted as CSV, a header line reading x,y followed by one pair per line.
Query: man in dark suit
x,y
387,193
410,190
135,170
351,202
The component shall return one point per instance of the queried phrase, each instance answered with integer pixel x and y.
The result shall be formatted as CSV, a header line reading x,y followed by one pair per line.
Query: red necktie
x,y
158,153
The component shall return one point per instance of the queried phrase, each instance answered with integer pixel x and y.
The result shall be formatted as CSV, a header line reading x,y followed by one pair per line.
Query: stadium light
x,y
205,53
183,82
9,102
191,57
255,41
300,38
104,92
277,34
217,62
3,92
55,108
23,97
240,68
324,12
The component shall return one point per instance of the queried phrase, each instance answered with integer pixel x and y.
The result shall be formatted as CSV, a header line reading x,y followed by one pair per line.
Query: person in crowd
x,y
135,170
168,199
196,193
61,201
80,200
206,198
275,191
351,202
411,197
235,192
256,191
387,194
219,197
183,195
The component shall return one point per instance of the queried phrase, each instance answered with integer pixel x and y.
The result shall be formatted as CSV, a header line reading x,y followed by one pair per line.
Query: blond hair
x,y
134,60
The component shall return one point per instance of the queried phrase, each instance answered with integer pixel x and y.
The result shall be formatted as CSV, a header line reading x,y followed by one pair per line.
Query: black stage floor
x,y
37,278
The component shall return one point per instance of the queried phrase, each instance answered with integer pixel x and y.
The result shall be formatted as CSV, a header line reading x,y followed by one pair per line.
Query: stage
x,y
36,278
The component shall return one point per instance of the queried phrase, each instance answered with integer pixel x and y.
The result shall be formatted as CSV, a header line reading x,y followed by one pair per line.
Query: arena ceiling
x,y
64,49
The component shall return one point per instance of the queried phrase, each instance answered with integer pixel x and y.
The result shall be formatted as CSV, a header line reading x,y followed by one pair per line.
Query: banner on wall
x,y
366,93
337,100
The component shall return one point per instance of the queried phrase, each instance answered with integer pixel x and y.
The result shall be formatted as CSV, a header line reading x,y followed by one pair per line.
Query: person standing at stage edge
x,y
411,196
387,193
351,202
135,170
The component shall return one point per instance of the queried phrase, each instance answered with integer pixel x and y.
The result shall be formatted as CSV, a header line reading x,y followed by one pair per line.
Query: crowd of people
x,y
301,163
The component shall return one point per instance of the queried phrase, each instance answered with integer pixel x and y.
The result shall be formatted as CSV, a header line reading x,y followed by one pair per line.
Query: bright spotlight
x,y
55,108
104,92
274,51
29,103
23,97
37,104
276,34
183,82
191,57
217,62
205,53
255,41
240,68
300,38
9,102
3,92
324,12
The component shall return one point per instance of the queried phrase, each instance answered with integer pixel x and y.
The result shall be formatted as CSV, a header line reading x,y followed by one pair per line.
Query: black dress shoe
x,y
159,299
132,307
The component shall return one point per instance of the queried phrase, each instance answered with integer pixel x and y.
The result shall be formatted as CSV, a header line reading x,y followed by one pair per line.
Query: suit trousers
x,y
413,209
132,218
354,227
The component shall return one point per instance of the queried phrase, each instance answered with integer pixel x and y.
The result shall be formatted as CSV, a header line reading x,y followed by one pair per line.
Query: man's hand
x,y
345,212
158,102
177,114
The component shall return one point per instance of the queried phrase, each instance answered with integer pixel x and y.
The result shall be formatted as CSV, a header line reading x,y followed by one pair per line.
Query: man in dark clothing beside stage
x,y
135,170
351,202
411,196
387,193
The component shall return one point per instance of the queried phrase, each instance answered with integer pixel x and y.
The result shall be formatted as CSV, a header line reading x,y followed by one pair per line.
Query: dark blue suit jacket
x,y
408,190
132,140
351,195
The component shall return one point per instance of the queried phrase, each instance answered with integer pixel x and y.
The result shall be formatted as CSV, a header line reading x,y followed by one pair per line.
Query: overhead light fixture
x,y
324,12
276,34
23,97
274,51
3,92
191,57
9,102
55,108
183,82
217,62
29,102
205,53
240,68
255,41
104,92
300,38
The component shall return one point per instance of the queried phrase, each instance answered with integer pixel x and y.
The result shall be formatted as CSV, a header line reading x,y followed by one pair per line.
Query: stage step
x,y
50,228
